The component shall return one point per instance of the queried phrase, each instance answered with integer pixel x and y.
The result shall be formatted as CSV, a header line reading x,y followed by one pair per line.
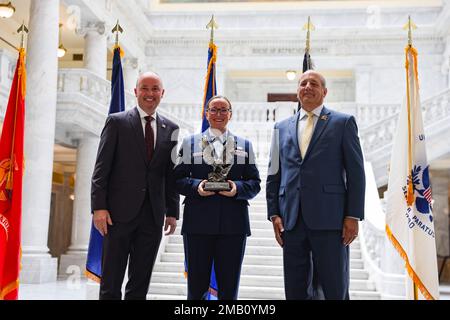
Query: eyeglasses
x,y
218,111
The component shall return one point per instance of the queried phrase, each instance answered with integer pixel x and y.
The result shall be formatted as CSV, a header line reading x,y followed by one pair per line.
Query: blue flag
x,y
210,91
210,84
117,104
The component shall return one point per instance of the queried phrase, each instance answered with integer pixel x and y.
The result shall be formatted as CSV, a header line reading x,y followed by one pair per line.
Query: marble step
x,y
251,241
265,233
254,224
256,241
247,292
364,295
253,259
354,295
261,224
255,281
253,216
253,250
247,269
258,216
258,207
165,297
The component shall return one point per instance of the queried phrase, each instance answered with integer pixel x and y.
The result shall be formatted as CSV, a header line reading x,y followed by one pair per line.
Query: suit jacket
x,y
216,214
123,176
328,184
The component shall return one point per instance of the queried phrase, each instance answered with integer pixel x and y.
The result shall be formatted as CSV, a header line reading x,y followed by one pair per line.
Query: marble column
x,y
221,80
439,186
446,61
7,60
95,60
95,47
81,221
362,84
42,68
130,73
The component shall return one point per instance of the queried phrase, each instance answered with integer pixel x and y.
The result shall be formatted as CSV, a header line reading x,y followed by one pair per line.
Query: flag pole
x,y
117,28
410,194
9,180
212,25
308,35
308,27
23,29
307,64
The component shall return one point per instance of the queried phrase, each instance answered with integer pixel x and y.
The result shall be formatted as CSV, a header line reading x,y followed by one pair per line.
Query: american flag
x,y
427,194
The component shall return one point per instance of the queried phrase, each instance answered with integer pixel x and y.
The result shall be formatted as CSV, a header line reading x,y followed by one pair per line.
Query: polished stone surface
x,y
73,289
60,290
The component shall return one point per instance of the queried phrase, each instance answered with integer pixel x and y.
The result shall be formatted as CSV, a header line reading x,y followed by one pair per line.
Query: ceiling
x,y
74,43
257,5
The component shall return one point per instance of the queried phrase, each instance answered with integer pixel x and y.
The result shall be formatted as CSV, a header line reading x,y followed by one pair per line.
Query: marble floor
x,y
80,289
63,289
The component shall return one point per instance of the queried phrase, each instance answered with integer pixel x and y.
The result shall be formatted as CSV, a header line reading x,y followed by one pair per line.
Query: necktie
x,y
306,134
149,137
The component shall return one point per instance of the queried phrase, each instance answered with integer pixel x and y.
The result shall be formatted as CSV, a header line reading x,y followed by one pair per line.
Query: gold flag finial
x,y
410,26
212,25
308,27
23,29
117,28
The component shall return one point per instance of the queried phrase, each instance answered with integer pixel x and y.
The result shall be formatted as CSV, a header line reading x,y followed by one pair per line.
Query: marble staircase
x,y
262,271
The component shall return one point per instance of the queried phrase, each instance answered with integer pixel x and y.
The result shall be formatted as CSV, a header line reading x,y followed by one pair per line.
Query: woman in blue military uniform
x,y
216,223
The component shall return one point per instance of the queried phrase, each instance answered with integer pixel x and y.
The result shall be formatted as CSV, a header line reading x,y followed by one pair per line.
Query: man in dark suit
x,y
133,190
216,224
315,192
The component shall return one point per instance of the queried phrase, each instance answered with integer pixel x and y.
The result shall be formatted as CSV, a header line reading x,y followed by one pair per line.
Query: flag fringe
x,y
122,52
414,54
22,71
412,274
213,292
212,62
92,276
9,288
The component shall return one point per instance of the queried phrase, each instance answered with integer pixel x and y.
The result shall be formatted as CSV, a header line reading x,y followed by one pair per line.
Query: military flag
x,y
11,177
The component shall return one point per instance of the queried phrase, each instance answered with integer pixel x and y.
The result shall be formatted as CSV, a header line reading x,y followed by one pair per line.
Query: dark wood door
x,y
274,97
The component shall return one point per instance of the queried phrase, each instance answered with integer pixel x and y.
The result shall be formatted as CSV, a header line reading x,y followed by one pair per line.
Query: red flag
x,y
11,173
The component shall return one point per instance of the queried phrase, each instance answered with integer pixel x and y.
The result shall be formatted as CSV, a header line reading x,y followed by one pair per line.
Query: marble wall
x,y
368,44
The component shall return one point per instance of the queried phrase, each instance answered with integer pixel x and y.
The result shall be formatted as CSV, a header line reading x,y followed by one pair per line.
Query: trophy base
x,y
216,186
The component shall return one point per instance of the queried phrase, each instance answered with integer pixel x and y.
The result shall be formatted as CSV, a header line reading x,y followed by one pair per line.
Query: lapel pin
x,y
163,125
324,117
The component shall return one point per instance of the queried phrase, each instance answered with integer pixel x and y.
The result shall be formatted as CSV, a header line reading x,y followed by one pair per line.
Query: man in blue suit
x,y
315,192
215,224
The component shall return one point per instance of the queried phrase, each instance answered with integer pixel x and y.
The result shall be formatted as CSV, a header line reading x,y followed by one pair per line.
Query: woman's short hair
x,y
218,97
